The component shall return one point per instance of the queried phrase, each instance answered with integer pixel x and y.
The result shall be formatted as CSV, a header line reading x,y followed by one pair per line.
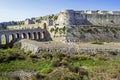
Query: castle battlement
x,y
92,12
88,17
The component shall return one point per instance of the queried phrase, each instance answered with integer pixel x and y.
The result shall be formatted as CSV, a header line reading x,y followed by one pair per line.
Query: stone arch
x,y
17,35
43,35
3,39
29,35
44,25
39,35
35,35
24,36
11,38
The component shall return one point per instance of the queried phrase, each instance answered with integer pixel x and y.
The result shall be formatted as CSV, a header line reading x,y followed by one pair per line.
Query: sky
x,y
16,10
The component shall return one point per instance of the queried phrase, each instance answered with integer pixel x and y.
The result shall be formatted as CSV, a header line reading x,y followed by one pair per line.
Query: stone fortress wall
x,y
71,17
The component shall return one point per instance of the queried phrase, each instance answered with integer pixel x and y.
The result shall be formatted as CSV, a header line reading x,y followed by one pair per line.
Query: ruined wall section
x,y
66,17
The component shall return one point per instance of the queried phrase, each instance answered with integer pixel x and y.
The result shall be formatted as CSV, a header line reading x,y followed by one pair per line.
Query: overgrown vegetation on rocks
x,y
57,66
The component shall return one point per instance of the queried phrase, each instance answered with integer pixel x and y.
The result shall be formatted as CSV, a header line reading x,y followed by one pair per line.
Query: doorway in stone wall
x,y
44,26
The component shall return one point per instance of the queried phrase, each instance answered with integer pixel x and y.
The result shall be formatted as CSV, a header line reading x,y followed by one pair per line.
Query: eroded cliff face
x,y
92,33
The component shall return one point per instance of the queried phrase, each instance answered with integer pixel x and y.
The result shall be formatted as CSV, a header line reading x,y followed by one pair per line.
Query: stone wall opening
x,y
35,35
44,26
24,36
11,38
17,35
29,35
39,36
3,39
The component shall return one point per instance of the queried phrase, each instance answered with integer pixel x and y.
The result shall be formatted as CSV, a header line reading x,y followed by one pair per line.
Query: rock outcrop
x,y
92,33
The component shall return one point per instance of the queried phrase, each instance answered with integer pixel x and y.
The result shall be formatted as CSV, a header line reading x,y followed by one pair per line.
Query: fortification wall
x,y
71,17
28,26
70,48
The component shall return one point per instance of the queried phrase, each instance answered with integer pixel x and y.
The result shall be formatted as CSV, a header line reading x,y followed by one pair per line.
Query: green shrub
x,y
33,56
73,68
89,30
62,73
46,70
52,29
82,36
17,45
56,30
10,54
46,56
55,18
81,57
97,42
55,62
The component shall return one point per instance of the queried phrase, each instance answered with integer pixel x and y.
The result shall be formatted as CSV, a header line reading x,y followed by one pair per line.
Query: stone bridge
x,y
11,36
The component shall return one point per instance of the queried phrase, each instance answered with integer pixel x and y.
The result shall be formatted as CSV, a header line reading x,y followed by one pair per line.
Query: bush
x,y
46,70
55,18
62,73
97,42
9,55
89,30
47,56
17,45
33,56
51,30
81,57
55,63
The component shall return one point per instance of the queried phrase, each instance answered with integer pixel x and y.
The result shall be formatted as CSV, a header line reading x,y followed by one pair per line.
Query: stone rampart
x,y
70,48
71,17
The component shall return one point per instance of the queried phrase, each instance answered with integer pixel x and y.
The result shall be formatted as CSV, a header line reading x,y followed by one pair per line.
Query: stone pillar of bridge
x,y
39,36
7,39
13,38
35,35
19,36
29,35
47,35
0,39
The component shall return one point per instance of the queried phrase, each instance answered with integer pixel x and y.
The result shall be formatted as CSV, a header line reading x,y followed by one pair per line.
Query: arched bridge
x,y
11,36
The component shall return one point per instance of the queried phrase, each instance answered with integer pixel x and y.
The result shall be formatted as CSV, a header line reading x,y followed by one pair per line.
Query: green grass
x,y
47,62
97,42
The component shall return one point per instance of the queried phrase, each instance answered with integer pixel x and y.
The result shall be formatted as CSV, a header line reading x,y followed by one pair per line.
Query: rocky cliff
x,y
92,33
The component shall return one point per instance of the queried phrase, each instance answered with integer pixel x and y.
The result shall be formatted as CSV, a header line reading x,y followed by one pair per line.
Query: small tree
x,y
38,20
56,30
55,18
51,30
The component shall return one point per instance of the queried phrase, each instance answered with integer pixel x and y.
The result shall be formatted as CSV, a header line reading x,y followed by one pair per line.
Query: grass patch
x,y
97,42
49,64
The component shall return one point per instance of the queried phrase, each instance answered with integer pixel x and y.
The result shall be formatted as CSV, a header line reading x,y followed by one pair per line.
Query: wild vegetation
x,y
58,66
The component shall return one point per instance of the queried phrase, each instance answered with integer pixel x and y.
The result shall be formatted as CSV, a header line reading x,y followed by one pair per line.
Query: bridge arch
x,y
12,38
39,35
3,39
24,36
17,35
7,37
29,35
35,35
